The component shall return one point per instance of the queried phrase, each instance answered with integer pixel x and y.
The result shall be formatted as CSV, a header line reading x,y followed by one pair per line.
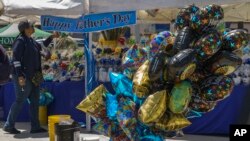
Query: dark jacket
x,y
27,56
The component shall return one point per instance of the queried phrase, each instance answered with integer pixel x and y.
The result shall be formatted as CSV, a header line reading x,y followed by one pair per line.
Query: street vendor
x,y
27,76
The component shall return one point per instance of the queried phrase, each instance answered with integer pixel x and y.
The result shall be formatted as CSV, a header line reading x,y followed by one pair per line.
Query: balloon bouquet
x,y
184,74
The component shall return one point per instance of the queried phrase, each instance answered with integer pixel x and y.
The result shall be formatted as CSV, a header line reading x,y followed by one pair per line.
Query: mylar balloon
x,y
180,97
103,127
224,63
111,106
208,45
153,108
133,58
182,19
156,66
192,9
184,38
141,82
216,87
94,103
182,65
199,22
127,118
172,122
214,11
200,104
235,39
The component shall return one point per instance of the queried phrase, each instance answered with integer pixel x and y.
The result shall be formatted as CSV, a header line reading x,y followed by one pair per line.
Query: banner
x,y
88,23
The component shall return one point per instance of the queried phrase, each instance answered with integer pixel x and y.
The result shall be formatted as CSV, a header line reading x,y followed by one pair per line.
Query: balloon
x,y
127,118
94,104
182,65
192,9
214,11
180,97
184,38
182,19
156,66
235,39
172,122
153,108
208,45
103,127
216,88
111,106
141,82
200,104
133,59
199,22
224,63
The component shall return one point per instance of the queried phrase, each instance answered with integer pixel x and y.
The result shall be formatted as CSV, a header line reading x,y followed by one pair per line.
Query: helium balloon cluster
x,y
184,74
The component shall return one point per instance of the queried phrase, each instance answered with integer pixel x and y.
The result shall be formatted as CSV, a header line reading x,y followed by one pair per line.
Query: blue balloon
x,y
124,86
111,105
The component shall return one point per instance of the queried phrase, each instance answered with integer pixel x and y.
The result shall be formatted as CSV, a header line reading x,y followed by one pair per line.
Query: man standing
x,y
27,76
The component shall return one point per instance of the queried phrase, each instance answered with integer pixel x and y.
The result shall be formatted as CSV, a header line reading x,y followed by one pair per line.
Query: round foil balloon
x,y
153,108
200,104
141,81
183,39
180,97
182,65
94,103
172,122
208,45
199,22
192,9
235,39
224,63
214,11
156,66
216,87
182,19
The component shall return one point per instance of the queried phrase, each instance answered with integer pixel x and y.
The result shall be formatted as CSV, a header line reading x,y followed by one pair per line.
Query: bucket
x,y
43,116
67,132
53,119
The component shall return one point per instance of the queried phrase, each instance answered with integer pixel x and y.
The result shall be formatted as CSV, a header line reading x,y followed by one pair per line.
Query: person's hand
x,y
55,34
21,81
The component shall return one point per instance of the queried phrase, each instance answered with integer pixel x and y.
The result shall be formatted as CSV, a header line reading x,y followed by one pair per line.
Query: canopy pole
x,y
88,69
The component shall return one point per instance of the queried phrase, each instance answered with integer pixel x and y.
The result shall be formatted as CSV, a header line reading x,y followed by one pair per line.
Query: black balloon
x,y
182,65
224,63
156,66
208,45
184,38
235,39
216,88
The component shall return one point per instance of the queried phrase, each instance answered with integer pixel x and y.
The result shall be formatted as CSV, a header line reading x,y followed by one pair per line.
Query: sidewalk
x,y
26,136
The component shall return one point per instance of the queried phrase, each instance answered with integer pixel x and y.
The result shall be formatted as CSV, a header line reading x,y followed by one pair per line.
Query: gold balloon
x,y
154,107
172,122
94,103
141,82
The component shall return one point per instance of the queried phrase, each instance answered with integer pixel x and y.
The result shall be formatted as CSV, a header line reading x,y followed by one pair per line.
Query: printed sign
x,y
88,23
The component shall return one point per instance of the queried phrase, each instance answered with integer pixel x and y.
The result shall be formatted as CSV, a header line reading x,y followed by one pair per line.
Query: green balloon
x,y
180,97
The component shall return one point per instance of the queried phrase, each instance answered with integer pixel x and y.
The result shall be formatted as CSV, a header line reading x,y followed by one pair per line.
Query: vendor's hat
x,y
24,25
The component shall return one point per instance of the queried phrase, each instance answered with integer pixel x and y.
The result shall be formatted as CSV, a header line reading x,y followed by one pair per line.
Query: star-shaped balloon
x,y
123,86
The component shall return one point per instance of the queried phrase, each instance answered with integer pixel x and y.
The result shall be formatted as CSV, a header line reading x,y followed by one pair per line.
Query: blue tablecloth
x,y
69,94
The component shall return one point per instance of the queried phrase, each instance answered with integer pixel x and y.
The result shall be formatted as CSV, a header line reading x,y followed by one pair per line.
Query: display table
x,y
69,94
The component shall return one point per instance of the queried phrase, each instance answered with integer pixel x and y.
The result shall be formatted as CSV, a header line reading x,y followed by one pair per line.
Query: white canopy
x,y
78,7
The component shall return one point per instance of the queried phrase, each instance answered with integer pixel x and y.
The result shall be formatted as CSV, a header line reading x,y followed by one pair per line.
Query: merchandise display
x,y
183,74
